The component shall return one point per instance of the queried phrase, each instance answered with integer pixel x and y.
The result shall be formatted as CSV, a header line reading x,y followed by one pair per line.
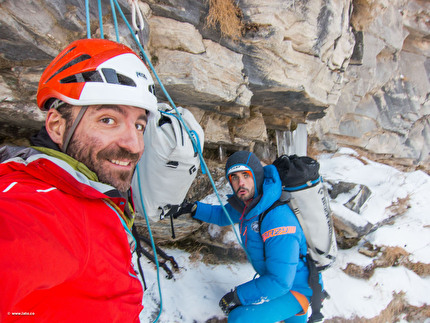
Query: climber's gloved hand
x,y
184,208
229,302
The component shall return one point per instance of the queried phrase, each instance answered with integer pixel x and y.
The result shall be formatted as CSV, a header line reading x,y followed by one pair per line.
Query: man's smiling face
x,y
109,141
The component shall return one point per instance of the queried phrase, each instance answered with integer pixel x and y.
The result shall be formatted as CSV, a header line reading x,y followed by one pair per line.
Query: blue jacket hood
x,y
272,189
241,160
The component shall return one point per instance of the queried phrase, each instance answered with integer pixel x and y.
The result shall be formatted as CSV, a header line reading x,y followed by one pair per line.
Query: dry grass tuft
x,y
392,256
399,207
387,257
196,253
226,15
394,311
356,271
419,268
418,314
369,250
397,310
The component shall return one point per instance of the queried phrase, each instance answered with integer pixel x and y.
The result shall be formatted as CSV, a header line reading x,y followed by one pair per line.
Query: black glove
x,y
184,208
229,302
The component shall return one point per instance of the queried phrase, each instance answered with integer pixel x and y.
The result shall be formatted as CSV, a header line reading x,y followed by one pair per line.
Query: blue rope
x,y
152,244
114,20
194,133
204,165
87,11
101,19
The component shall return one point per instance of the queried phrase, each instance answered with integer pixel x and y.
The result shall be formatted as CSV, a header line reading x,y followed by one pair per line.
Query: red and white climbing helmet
x,y
97,71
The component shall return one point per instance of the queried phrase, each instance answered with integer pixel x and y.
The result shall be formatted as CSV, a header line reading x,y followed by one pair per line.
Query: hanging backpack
x,y
307,197
169,162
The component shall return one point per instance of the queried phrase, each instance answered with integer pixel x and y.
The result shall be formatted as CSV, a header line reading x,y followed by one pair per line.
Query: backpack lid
x,y
296,171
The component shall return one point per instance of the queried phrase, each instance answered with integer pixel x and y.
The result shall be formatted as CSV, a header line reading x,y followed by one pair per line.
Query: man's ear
x,y
55,126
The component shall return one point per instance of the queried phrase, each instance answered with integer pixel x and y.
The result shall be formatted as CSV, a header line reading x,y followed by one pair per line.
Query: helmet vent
x,y
110,75
92,76
75,61
113,77
59,59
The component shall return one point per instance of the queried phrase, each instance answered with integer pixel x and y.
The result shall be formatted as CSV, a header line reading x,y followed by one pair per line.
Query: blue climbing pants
x,y
283,308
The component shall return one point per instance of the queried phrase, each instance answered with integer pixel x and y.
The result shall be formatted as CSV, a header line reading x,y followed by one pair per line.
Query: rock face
x,y
355,71
384,106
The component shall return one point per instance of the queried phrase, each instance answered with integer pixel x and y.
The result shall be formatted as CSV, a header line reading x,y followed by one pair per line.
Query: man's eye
x,y
108,121
140,127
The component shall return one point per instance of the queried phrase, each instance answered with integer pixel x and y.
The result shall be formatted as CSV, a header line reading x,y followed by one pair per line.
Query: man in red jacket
x,y
65,215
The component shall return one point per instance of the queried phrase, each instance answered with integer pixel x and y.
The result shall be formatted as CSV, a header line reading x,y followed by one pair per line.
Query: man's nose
x,y
132,140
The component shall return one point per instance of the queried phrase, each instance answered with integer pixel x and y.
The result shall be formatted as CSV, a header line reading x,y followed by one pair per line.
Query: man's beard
x,y
244,198
84,152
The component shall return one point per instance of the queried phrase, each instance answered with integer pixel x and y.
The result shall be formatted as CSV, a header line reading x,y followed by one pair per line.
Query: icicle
x,y
221,153
292,142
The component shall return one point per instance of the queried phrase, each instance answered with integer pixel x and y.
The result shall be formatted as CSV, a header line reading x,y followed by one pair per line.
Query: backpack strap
x,y
317,293
263,215
284,199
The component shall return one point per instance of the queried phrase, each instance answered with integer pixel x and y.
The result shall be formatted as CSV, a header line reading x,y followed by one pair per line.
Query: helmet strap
x,y
73,128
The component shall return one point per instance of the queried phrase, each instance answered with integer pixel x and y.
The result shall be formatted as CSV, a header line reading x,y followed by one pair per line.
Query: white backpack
x,y
169,162
307,197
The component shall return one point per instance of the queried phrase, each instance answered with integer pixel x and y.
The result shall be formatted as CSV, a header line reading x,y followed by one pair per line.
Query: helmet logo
x,y
140,74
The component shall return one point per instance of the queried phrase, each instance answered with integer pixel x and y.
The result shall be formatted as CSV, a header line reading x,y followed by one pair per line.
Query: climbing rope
x,y
115,21
100,19
153,249
87,13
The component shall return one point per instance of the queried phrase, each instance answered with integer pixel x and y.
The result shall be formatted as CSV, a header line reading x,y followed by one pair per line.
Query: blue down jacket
x,y
277,259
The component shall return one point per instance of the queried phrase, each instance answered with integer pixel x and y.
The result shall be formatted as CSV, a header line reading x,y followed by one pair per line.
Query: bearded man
x,y
64,202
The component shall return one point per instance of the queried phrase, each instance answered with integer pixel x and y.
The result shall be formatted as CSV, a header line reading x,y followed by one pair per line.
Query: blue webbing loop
x,y
306,185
